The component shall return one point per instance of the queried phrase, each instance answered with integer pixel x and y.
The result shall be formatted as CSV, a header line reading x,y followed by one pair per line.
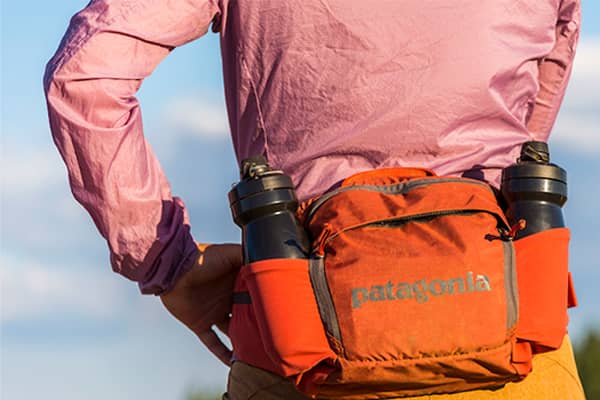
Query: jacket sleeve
x,y
96,123
555,70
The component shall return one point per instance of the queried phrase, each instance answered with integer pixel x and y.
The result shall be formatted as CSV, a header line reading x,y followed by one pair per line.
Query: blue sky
x,y
71,329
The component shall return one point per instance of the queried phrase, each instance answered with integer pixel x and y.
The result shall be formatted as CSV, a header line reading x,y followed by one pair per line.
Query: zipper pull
x,y
321,241
301,212
518,226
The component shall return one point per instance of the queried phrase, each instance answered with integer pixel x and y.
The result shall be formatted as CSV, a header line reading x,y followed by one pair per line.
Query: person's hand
x,y
202,297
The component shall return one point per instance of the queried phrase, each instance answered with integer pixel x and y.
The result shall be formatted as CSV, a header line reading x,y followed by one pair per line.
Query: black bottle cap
x,y
534,162
534,178
524,170
261,191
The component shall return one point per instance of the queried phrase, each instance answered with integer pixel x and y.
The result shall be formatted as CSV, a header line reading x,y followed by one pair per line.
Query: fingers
x,y
224,326
216,346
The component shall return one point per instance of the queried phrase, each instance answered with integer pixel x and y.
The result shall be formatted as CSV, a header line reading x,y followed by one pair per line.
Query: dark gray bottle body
x,y
264,205
535,190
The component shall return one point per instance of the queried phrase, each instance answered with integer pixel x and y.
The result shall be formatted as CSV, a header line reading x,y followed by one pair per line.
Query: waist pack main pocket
x,y
416,286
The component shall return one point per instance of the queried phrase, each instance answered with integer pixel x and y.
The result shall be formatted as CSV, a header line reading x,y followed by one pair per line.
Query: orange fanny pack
x,y
414,287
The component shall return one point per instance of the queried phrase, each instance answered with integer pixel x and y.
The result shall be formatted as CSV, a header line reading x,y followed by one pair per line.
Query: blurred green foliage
x,y
587,356
204,395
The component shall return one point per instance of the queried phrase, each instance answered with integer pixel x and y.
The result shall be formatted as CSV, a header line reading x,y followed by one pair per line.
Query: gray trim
x,y
510,284
399,188
323,295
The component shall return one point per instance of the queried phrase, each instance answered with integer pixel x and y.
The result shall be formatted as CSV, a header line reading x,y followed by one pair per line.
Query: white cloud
x,y
149,360
197,117
578,131
578,123
33,290
25,172
38,211
583,90
587,59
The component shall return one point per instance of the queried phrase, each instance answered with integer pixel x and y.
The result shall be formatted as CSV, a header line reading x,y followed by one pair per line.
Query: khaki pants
x,y
554,376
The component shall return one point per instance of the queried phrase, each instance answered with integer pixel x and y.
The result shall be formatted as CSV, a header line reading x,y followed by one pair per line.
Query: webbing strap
x,y
241,298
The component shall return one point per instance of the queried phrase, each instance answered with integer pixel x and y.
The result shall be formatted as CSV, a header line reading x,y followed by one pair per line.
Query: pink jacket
x,y
324,88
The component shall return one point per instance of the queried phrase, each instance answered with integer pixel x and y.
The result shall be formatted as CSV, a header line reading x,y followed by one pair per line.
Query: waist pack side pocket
x,y
286,317
243,328
544,288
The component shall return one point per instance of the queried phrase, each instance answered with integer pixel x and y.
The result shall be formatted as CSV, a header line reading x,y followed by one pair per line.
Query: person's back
x,y
323,88
329,88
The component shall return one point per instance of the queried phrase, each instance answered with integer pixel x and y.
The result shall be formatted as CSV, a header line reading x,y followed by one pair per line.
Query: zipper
x,y
397,221
398,188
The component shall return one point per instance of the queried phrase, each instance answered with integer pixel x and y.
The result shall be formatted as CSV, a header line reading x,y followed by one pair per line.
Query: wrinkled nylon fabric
x,y
324,88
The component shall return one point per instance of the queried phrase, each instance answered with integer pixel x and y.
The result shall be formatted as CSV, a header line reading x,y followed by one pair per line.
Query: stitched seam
x,y
261,120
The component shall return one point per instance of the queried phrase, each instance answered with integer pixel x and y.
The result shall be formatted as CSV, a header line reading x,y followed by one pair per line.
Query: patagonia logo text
x,y
420,290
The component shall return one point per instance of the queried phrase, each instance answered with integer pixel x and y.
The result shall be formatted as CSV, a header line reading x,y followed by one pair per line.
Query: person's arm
x,y
555,70
96,123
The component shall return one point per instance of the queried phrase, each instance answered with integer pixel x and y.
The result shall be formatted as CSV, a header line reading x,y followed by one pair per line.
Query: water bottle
x,y
535,190
264,205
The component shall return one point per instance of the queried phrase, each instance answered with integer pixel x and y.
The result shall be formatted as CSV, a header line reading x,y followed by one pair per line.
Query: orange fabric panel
x,y
543,276
522,357
287,318
418,278
386,176
244,333
399,378
361,206
422,285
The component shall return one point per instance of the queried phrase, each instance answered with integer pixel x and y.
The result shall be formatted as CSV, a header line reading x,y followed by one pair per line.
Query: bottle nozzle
x,y
254,166
535,191
535,151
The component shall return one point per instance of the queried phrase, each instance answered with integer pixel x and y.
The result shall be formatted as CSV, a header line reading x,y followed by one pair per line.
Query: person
x,y
324,89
